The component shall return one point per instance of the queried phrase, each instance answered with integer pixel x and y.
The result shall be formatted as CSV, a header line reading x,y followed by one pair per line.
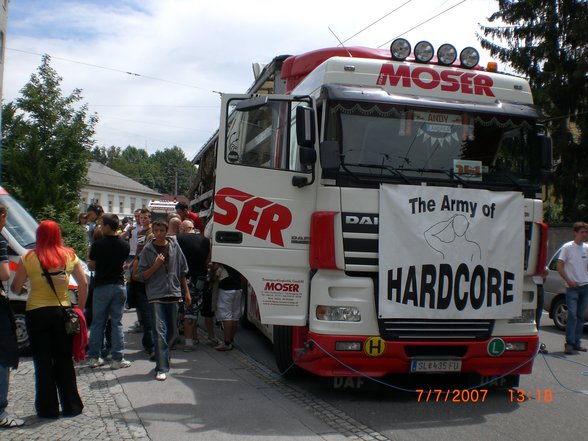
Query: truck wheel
x,y
559,312
244,320
282,336
22,336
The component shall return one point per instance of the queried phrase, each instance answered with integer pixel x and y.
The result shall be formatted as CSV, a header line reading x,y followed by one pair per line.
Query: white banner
x,y
450,253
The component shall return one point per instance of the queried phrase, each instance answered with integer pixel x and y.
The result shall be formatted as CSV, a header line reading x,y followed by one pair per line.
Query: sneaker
x,y
95,362
189,348
10,421
570,349
580,348
120,364
160,376
224,347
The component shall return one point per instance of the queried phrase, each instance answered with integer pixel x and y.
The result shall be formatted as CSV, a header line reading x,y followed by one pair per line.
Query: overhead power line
x,y
377,21
422,23
97,66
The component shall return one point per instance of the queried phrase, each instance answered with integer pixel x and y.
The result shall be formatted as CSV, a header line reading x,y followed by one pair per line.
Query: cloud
x,y
184,50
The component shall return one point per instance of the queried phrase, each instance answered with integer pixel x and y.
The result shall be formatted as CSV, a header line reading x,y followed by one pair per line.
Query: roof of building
x,y
100,175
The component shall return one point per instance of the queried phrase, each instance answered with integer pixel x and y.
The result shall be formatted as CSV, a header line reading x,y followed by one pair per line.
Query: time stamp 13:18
x,y
479,395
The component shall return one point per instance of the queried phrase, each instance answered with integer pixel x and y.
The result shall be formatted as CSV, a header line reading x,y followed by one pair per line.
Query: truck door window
x,y
264,137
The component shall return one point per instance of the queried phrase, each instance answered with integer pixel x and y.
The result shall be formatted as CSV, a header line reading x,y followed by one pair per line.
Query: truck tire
x,y
244,320
22,336
282,337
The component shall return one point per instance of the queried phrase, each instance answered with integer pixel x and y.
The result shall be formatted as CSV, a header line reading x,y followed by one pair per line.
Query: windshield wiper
x,y
389,168
449,173
512,180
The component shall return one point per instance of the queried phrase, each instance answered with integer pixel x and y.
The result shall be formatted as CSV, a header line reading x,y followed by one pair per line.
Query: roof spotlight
x,y
423,51
469,57
400,49
446,54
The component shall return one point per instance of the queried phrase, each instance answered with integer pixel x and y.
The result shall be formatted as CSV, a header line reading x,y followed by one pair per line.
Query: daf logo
x,y
361,220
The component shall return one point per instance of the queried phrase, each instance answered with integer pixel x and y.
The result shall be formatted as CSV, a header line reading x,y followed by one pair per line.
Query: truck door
x,y
264,198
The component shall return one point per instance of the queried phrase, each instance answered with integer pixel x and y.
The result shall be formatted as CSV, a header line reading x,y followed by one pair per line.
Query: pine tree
x,y
547,41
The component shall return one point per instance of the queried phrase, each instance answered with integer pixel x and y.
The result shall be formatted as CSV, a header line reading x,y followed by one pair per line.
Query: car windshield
x,y
21,225
433,143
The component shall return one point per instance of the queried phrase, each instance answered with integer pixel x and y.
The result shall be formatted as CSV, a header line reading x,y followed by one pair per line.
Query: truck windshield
x,y
21,225
390,141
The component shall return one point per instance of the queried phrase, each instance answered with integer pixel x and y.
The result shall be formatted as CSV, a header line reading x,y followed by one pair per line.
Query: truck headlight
x,y
528,316
338,313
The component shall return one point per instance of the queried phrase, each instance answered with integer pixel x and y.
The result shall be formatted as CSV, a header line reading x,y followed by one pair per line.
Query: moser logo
x,y
361,220
426,78
282,287
253,215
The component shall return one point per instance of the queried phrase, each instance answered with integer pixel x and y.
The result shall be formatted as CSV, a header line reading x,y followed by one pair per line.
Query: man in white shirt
x,y
572,266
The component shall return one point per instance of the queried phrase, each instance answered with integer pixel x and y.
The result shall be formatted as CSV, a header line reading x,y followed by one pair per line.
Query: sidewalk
x,y
209,395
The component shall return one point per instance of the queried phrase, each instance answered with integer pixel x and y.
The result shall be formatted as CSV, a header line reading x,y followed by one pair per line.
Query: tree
x,y
547,41
174,172
46,141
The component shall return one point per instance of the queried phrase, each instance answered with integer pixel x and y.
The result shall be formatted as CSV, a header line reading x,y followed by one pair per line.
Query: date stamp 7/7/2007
x,y
451,395
479,395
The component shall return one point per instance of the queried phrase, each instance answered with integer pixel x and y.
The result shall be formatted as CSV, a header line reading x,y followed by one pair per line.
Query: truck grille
x,y
437,330
360,241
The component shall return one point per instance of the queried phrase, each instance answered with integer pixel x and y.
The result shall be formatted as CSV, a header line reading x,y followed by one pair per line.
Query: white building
x,y
116,193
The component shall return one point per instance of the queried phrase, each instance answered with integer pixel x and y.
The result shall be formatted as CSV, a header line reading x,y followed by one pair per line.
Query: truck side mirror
x,y
253,103
305,128
307,156
330,155
546,152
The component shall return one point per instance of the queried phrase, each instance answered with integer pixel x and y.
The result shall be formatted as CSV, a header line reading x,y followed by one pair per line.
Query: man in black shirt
x,y
196,249
107,257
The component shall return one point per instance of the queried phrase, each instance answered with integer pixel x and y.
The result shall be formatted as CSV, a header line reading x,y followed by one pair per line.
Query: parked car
x,y
555,295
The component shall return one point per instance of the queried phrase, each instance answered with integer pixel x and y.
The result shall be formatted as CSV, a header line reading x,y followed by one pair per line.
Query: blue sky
x,y
185,50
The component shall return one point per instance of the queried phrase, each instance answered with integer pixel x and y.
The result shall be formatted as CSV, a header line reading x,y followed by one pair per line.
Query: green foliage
x,y
46,140
173,171
547,41
158,171
74,236
552,213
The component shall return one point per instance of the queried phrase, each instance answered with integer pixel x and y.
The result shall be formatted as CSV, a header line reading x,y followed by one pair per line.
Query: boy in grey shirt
x,y
163,268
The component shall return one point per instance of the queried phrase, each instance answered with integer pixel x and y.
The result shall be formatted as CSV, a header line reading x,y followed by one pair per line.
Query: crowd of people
x,y
154,265
162,268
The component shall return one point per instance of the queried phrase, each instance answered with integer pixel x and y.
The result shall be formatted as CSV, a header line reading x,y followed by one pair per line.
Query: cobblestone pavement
x,y
108,414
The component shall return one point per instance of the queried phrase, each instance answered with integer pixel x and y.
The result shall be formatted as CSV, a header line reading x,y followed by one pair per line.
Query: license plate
x,y
435,366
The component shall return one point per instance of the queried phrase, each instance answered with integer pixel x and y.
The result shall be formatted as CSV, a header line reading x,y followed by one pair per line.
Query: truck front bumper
x,y
322,355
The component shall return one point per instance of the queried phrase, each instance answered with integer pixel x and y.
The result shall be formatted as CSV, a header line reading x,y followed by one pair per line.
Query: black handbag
x,y
71,317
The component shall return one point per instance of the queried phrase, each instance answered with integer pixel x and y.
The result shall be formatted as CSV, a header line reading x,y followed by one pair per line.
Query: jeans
x,y
165,322
576,301
144,310
109,300
4,380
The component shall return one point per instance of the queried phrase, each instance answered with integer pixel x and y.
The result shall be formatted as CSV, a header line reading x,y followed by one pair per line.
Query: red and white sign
x,y
253,215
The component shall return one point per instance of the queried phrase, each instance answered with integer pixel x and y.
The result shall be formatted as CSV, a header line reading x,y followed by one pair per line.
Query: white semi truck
x,y
385,211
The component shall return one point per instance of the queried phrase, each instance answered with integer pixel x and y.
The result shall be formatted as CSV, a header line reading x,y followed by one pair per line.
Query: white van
x,y
20,233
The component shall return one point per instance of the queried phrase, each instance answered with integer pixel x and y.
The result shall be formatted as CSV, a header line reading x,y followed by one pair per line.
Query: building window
x,y
121,204
144,201
110,203
133,203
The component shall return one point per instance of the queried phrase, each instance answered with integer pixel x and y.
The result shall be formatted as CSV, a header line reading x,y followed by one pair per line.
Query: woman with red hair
x,y
55,377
